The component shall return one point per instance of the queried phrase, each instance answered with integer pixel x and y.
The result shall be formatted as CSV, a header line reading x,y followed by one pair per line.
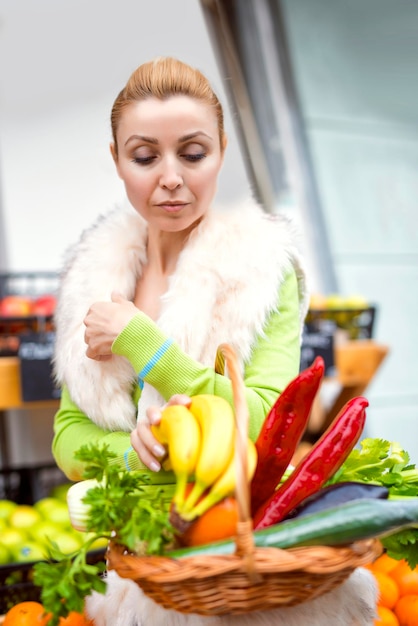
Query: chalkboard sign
x,y
35,354
318,340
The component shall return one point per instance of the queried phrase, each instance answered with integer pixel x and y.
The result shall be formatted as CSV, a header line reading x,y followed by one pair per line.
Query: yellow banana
x,y
217,425
225,485
180,432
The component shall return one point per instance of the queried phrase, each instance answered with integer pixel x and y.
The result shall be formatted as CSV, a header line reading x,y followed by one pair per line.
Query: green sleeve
x,y
72,429
274,362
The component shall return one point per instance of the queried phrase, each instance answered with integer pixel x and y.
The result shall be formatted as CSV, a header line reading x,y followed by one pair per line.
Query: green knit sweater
x,y
161,363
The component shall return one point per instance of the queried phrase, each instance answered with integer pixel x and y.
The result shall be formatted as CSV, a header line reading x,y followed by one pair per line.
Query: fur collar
x,y
225,285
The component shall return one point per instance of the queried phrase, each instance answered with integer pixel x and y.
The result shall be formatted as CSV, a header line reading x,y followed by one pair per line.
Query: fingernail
x,y
158,450
155,466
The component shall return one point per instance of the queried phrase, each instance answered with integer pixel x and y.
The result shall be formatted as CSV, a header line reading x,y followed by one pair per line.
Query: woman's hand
x,y
143,441
104,321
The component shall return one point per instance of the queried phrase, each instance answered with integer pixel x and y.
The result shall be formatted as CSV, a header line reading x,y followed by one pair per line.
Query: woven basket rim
x,y
309,559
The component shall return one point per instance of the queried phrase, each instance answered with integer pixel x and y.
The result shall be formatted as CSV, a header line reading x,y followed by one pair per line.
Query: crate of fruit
x,y
353,316
27,305
33,511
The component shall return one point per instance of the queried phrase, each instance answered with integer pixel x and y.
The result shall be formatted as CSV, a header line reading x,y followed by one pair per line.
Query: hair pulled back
x,y
162,78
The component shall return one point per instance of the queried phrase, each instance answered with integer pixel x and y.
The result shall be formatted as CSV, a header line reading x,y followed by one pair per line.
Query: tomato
x,y
219,522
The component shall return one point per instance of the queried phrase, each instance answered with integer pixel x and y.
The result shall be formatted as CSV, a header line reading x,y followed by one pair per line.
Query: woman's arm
x,y
274,362
72,429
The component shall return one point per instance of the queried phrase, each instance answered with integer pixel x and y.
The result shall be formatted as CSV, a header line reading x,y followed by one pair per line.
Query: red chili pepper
x,y
318,465
282,430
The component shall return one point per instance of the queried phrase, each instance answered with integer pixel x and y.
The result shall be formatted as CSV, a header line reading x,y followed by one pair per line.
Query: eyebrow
x,y
155,141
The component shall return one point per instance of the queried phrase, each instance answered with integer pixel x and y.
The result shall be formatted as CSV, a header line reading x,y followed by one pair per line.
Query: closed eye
x,y
194,157
144,160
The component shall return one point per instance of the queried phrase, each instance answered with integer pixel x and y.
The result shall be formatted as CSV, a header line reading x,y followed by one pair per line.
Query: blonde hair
x,y
162,78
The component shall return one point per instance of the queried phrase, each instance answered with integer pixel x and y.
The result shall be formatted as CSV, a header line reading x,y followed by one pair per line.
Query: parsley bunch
x,y
385,463
134,515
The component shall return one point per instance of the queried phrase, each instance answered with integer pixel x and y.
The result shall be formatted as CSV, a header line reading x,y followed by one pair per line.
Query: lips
x,y
172,207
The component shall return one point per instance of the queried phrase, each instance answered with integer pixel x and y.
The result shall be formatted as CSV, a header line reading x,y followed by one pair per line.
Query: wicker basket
x,y
252,578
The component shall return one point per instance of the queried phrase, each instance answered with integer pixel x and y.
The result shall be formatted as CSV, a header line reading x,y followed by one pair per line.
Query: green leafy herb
x,y
385,463
123,506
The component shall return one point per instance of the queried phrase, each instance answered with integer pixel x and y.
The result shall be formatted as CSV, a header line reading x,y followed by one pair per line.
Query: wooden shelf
x,y
356,363
10,388
10,398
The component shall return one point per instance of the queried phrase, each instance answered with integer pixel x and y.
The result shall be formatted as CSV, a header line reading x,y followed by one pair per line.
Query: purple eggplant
x,y
338,493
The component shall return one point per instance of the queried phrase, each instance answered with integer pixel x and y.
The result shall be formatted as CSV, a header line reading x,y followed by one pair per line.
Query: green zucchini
x,y
343,524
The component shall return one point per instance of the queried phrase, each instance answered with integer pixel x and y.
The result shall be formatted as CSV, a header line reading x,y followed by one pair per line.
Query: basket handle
x,y
244,538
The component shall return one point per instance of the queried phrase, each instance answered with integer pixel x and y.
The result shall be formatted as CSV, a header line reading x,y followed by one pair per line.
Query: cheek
x,y
207,180
134,181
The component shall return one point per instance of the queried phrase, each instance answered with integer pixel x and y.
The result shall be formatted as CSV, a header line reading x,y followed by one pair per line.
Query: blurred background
x,y
320,102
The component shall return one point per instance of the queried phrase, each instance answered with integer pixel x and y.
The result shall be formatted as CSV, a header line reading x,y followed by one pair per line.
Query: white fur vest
x,y
225,285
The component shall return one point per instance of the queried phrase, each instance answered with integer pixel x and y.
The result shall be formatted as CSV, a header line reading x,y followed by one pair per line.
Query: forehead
x,y
176,115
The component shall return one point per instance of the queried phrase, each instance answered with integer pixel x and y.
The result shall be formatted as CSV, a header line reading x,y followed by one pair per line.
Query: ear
x,y
224,145
114,154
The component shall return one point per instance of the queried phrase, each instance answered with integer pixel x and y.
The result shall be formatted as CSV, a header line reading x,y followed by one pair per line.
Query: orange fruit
x,y
384,564
386,617
75,619
26,614
33,614
406,610
406,578
388,590
219,522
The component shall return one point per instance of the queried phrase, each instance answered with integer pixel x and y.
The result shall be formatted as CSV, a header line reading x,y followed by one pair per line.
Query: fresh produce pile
x,y
397,583
30,613
336,495
26,529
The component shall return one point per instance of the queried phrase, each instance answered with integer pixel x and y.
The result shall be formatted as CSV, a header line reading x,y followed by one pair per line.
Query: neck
x,y
164,248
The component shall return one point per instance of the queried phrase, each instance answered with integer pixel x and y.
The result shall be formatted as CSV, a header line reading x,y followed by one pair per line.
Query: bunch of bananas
x,y
200,442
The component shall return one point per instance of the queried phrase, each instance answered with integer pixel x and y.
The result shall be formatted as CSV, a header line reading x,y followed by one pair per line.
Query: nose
x,y
171,177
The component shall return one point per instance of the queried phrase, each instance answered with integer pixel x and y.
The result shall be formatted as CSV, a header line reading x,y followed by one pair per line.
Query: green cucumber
x,y
343,524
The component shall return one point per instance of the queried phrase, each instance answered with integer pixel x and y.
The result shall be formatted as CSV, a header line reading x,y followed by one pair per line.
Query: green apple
x,y
99,543
29,551
6,508
67,541
60,491
335,301
356,301
43,530
53,510
24,516
13,537
5,554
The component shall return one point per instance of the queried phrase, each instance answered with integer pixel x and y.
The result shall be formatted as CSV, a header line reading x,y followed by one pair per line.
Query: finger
x,y
144,446
92,354
117,297
153,414
180,398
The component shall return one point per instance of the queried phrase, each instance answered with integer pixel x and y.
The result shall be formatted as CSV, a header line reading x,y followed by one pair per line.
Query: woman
x,y
153,289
